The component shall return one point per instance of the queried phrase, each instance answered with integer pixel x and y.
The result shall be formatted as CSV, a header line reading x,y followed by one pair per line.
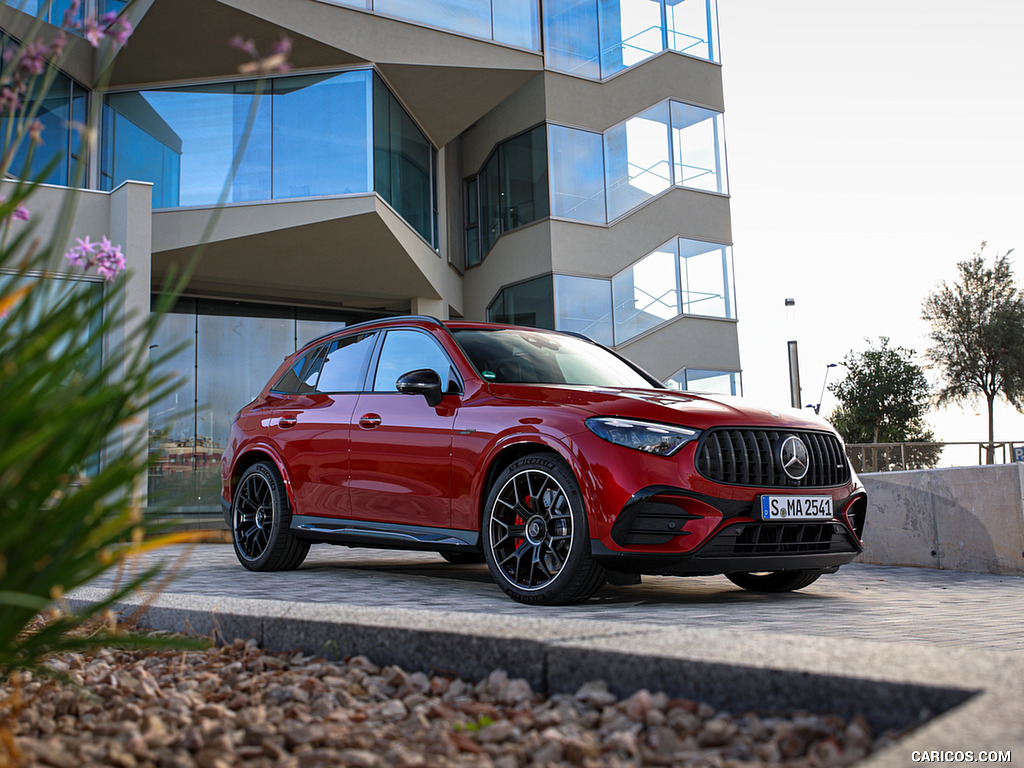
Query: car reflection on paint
x,y
547,456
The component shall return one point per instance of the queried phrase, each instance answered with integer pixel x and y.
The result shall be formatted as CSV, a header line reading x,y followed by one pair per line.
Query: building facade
x,y
558,163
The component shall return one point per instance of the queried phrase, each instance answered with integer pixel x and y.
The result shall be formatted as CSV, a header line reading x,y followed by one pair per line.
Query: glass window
x,y
321,127
531,303
292,380
571,39
637,162
62,104
516,23
513,186
647,293
472,223
705,271
344,369
403,162
631,31
185,140
597,38
584,305
713,382
237,346
530,357
469,17
698,148
693,28
406,351
577,174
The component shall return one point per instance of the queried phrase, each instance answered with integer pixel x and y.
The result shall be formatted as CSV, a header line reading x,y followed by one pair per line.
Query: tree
x,y
883,399
977,333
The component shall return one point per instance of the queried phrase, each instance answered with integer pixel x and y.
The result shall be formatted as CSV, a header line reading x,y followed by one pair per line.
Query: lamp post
x,y
794,362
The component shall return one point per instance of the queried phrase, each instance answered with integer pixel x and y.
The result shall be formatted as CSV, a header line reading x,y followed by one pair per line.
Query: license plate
x,y
779,508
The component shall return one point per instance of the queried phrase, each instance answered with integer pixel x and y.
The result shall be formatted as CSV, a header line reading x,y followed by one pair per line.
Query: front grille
x,y
788,539
751,457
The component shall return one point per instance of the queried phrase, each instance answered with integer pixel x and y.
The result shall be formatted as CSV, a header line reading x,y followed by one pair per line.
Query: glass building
x,y
553,163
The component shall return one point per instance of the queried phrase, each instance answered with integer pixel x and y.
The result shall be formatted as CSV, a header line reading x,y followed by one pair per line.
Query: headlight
x,y
646,436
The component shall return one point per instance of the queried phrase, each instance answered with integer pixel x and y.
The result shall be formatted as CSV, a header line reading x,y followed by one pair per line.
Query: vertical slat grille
x,y
751,457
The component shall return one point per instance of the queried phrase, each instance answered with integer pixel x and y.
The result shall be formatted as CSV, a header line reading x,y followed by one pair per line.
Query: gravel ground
x,y
240,706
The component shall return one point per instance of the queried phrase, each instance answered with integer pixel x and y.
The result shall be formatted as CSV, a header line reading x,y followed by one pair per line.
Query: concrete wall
x,y
964,518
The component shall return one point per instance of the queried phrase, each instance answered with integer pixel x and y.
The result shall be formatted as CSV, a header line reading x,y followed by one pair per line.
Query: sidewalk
x,y
886,642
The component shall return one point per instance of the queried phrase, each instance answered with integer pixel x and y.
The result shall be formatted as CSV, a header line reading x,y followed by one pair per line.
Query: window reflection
x,y
306,136
530,303
646,294
637,162
230,351
584,305
712,382
62,157
577,174
598,38
698,148
513,186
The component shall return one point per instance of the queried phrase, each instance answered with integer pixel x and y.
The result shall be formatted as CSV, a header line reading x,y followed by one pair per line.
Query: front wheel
x,y
260,520
773,581
535,535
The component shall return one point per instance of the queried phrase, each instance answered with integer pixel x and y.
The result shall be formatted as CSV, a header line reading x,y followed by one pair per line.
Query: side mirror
x,y
421,382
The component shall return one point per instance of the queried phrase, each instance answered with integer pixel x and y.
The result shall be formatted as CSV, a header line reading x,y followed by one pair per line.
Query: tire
x,y
463,558
773,581
535,536
260,520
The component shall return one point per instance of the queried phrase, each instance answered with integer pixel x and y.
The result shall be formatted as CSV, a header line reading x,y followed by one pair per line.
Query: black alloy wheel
x,y
260,520
535,534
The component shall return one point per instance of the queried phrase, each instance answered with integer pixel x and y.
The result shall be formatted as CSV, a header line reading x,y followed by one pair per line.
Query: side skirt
x,y
363,533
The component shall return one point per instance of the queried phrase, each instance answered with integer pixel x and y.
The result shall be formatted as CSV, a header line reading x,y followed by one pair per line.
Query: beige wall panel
x,y
523,109
344,250
603,251
518,255
598,106
686,341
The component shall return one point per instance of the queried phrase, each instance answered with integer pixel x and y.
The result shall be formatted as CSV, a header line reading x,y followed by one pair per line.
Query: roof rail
x,y
394,318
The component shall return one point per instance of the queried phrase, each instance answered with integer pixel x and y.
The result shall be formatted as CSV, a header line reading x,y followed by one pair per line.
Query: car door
x,y
400,445
311,432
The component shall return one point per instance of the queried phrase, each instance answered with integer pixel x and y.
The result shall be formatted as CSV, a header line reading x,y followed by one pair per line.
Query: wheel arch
x,y
254,455
512,451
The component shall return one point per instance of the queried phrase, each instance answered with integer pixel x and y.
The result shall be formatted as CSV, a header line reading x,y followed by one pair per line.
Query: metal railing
x,y
891,457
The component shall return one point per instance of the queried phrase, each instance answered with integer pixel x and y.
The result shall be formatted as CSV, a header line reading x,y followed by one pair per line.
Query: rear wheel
x,y
535,535
260,520
773,581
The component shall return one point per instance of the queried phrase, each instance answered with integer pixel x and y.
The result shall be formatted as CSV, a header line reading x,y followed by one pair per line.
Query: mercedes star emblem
x,y
795,459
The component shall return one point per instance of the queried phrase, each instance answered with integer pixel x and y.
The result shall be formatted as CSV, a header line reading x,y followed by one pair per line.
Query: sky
x,y
871,147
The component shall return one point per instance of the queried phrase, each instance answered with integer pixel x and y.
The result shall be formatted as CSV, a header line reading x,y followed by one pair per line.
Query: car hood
x,y
690,409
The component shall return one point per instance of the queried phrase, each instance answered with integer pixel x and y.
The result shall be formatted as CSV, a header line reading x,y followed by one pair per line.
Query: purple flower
x,y
20,212
93,33
10,101
70,20
104,255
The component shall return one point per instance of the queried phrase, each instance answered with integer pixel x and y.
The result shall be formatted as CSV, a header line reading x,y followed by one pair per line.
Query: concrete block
x,y
963,518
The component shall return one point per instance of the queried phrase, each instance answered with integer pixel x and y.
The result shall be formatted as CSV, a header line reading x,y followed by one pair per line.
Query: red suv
x,y
553,459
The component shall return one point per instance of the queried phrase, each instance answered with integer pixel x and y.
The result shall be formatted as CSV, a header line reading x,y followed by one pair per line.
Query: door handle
x,y
287,421
369,421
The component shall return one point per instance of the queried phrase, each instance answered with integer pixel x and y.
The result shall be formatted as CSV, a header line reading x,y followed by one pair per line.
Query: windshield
x,y
517,356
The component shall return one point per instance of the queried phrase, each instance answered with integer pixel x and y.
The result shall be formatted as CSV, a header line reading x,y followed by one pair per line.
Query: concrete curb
x,y
973,697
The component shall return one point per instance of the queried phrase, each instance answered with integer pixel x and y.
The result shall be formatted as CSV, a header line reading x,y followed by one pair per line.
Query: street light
x,y
817,408
794,363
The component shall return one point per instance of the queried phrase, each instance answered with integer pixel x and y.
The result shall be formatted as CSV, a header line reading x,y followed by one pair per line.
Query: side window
x,y
405,351
344,369
301,377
